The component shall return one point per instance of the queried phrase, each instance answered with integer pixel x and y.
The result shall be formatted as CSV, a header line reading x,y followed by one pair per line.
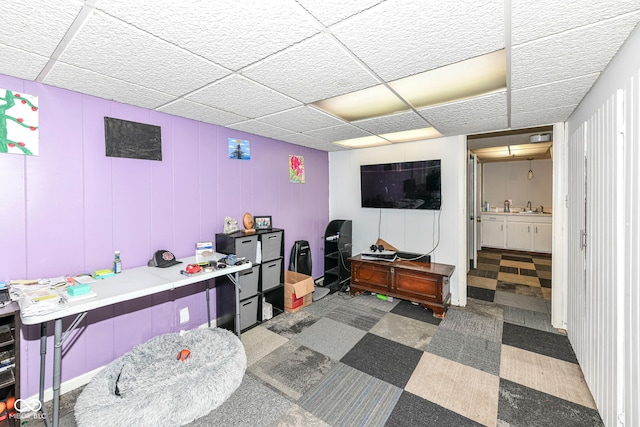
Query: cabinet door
x,y
519,235
493,233
542,237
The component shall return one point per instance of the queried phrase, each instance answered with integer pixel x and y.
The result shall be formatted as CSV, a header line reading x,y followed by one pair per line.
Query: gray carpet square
x,y
528,318
358,316
512,270
349,397
484,273
488,260
415,311
469,350
548,344
515,288
527,272
292,368
372,301
298,417
480,293
252,404
520,301
484,309
519,405
329,337
412,410
328,304
291,324
367,353
473,324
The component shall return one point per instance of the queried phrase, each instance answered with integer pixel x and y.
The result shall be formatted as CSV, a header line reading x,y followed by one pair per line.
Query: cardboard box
x,y
297,291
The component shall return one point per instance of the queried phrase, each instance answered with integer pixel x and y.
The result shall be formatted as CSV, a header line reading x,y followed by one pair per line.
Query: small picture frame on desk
x,y
262,222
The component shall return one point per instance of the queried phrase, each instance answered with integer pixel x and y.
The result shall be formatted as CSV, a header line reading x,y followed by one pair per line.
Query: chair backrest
x,y
300,260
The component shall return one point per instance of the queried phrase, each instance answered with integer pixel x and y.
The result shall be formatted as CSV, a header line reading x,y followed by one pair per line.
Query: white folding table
x,y
130,284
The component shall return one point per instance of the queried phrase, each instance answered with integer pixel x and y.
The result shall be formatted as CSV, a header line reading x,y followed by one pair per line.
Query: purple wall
x,y
67,210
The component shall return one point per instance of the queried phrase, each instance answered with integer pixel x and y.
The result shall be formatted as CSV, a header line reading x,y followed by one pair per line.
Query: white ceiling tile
x,y
556,94
399,38
242,96
468,127
301,119
543,117
258,128
467,110
328,12
571,54
228,32
532,20
18,63
37,26
337,133
193,110
84,81
158,65
312,70
392,123
300,139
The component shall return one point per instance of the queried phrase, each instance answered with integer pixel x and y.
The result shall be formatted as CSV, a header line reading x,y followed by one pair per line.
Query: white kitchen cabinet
x,y
493,231
518,235
529,232
542,241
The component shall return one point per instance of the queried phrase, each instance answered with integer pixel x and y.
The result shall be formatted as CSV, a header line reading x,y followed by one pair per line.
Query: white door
x,y
519,236
542,241
493,231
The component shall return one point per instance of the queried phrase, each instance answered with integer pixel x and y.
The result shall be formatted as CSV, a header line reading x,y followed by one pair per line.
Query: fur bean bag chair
x,y
151,386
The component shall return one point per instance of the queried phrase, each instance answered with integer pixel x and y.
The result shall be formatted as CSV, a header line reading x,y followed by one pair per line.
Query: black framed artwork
x,y
262,222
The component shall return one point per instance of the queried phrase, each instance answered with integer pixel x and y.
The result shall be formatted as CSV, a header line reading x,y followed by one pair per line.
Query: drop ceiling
x,y
257,66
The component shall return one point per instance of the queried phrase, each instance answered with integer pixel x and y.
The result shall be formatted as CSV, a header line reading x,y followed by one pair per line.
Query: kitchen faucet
x,y
529,205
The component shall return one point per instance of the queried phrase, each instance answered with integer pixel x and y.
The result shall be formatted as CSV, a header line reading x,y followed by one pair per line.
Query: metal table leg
x,y
235,279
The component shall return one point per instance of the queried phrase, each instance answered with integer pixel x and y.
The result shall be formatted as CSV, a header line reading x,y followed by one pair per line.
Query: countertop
x,y
517,213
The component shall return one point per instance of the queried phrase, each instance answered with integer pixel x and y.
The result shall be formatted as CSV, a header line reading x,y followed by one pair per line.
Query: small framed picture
x,y
262,222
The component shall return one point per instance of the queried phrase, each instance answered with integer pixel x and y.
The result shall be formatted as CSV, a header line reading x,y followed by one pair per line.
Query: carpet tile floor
x,y
360,361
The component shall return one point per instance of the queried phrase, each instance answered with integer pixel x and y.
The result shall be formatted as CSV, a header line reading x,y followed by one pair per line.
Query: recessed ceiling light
x,y
363,142
388,138
473,77
412,135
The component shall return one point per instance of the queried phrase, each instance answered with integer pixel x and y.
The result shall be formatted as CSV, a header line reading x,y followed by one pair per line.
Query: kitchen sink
x,y
535,212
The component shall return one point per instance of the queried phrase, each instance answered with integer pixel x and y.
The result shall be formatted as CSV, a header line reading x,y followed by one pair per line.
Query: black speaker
x,y
300,260
376,248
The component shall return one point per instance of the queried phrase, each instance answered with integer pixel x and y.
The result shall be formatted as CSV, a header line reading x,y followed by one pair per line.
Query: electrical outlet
x,y
184,315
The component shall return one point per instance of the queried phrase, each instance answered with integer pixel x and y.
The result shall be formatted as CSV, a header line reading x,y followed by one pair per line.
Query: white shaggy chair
x,y
155,389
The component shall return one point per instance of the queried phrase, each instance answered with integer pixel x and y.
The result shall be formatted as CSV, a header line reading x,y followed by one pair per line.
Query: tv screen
x,y
404,185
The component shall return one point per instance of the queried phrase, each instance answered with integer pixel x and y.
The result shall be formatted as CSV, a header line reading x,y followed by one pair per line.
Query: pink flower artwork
x,y
296,169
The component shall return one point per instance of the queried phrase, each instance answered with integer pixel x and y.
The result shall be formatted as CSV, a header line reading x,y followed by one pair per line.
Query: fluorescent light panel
x,y
465,79
389,138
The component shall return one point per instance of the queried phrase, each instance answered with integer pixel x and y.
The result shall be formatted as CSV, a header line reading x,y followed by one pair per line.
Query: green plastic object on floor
x,y
382,297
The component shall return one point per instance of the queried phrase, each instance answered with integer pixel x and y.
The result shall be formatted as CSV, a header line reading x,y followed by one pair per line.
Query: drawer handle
x,y
272,237
247,303
272,265
246,241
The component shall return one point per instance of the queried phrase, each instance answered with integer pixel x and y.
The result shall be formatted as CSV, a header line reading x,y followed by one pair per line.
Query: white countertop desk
x,y
130,284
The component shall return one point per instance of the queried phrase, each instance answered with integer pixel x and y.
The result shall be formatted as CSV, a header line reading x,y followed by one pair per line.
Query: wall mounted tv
x,y
404,185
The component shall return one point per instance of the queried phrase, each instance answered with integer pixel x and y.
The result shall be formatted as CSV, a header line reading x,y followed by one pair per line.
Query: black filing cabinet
x,y
262,284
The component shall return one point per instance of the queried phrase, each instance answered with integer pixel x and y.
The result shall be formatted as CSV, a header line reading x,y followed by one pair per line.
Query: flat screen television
x,y
403,185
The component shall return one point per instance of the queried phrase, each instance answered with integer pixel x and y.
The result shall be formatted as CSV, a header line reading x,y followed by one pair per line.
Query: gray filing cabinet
x,y
264,282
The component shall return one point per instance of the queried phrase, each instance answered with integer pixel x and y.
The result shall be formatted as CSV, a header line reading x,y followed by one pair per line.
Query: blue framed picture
x,y
239,149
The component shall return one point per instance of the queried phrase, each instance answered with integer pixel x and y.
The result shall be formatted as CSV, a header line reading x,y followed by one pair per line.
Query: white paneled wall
x,y
603,299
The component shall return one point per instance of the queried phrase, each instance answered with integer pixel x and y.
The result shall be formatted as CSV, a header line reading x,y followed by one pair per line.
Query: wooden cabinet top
x,y
424,267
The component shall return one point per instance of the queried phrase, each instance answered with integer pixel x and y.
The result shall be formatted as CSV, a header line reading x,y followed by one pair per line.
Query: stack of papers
x,y
38,297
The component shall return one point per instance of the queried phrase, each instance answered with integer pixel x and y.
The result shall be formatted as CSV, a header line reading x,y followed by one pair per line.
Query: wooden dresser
x,y
424,283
